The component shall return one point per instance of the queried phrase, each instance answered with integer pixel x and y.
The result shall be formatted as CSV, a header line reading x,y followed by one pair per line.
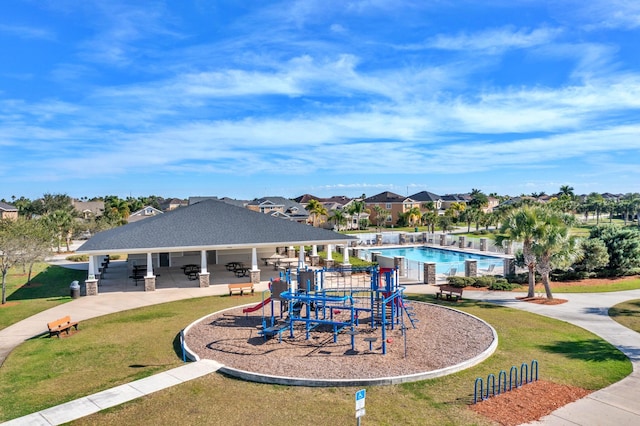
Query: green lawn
x,y
615,285
627,314
126,346
49,287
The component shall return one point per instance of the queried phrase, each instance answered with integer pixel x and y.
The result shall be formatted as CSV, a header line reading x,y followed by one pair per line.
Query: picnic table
x,y
285,263
242,272
232,266
191,270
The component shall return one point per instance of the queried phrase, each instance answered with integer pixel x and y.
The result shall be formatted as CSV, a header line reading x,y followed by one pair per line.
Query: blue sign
x,y
361,394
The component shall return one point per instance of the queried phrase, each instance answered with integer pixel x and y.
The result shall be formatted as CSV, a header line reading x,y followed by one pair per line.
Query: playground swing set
x,y
313,304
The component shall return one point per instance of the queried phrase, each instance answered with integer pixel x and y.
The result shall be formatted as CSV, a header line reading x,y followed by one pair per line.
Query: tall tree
x,y
552,245
522,225
37,239
381,215
478,199
566,190
429,219
356,208
11,249
62,225
339,218
317,211
413,216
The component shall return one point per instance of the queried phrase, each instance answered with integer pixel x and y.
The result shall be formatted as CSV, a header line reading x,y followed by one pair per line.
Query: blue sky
x,y
253,98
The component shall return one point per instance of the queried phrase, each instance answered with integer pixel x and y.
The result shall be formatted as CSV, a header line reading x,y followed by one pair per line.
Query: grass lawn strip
x,y
627,314
49,287
126,346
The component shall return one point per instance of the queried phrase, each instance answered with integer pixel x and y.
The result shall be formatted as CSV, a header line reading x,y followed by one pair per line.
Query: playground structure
x,y
353,301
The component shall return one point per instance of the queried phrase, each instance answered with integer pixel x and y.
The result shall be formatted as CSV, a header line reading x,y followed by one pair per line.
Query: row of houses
x,y
295,210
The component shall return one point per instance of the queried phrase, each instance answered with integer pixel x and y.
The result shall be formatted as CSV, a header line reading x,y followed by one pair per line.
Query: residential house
x,y
7,211
395,204
145,212
449,199
280,207
88,210
429,197
172,204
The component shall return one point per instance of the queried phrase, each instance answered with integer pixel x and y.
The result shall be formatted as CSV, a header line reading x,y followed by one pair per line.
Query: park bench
x,y
60,325
449,291
240,287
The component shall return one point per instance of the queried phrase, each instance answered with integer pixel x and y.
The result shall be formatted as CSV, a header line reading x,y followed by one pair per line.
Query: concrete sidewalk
x,y
91,404
617,404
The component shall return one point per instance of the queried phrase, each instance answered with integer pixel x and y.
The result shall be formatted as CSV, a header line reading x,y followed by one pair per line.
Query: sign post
x,y
360,397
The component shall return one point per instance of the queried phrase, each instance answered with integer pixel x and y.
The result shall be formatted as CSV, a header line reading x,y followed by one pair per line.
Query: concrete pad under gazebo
x,y
207,235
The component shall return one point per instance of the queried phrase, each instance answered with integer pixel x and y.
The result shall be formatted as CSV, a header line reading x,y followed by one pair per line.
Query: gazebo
x,y
210,232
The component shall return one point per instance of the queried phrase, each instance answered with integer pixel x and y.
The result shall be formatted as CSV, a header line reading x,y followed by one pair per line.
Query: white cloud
x,y
27,32
494,41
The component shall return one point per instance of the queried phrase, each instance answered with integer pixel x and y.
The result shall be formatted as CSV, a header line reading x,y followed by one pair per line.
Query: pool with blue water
x,y
444,259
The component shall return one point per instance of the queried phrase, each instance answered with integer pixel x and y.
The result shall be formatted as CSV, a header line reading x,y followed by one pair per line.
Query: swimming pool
x,y
444,259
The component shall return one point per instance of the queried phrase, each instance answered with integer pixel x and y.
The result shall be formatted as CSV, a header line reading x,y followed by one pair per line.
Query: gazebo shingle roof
x,y
210,225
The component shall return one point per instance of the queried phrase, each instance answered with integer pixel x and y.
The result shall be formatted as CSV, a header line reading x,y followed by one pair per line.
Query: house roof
x,y
425,196
94,207
386,197
7,207
290,207
208,225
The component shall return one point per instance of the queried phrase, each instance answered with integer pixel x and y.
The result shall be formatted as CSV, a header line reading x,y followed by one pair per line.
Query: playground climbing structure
x,y
366,301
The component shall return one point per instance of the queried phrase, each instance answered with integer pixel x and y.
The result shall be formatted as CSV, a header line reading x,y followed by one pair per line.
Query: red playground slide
x,y
258,306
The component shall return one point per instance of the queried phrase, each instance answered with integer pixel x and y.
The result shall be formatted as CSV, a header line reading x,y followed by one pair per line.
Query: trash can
x,y
75,289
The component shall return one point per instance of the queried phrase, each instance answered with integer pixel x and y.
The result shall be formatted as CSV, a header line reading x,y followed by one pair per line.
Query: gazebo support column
x,y
149,279
150,283
204,275
254,273
314,259
345,265
301,254
204,279
92,287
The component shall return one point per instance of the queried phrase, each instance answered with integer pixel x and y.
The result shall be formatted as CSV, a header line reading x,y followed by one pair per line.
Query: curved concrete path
x,y
617,404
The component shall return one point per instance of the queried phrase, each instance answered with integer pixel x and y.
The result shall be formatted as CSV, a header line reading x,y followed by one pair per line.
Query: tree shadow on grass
x,y
586,350
52,283
626,312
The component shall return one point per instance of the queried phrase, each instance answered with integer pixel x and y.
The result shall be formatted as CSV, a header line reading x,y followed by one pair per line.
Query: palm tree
x,y
317,211
381,215
60,222
552,244
595,202
356,208
522,225
430,219
338,217
566,190
413,216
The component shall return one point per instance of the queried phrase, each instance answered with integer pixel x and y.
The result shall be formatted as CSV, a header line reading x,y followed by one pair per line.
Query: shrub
x,y
460,282
518,278
502,284
485,281
78,258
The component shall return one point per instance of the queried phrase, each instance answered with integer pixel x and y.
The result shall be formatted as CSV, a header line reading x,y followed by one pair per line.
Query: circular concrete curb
x,y
394,380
